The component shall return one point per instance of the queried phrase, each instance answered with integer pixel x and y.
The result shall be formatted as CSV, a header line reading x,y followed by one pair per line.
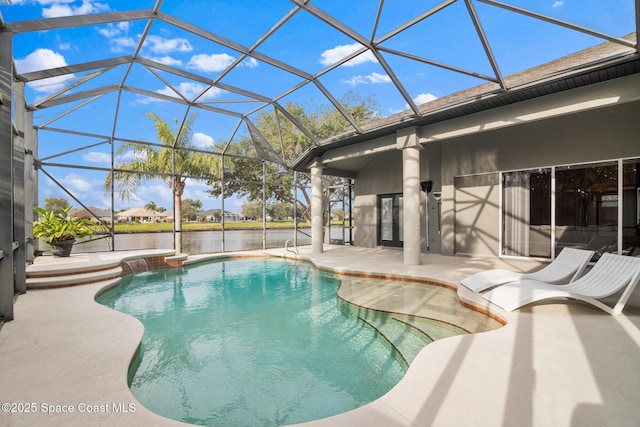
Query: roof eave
x,y
598,71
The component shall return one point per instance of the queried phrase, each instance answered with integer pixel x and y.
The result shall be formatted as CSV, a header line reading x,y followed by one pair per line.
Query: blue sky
x,y
518,42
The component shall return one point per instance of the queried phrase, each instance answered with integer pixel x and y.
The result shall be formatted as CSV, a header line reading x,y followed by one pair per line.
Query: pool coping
x,y
63,348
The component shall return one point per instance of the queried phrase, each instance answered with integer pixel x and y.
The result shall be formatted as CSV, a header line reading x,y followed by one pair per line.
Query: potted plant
x,y
59,230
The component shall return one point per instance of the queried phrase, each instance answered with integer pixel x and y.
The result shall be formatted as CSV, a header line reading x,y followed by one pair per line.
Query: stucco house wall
x,y
466,168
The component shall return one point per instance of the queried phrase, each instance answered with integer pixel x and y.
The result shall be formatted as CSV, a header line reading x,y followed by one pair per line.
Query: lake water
x,y
199,242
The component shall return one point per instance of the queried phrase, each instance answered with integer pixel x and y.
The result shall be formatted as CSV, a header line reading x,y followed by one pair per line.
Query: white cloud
x,y
423,98
378,78
217,62
109,31
76,184
356,80
43,59
129,156
57,10
97,157
212,93
48,2
373,78
88,188
331,56
118,37
190,90
558,3
249,62
112,30
120,44
159,44
40,59
159,192
167,60
64,46
196,189
123,26
202,140
64,8
210,63
146,100
196,184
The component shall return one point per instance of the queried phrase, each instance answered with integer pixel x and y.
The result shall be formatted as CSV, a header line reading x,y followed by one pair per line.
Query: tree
x,y
338,214
280,211
190,208
146,161
55,204
243,176
153,207
252,210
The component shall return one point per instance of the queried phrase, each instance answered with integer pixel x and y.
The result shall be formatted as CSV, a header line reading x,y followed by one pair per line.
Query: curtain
x,y
516,211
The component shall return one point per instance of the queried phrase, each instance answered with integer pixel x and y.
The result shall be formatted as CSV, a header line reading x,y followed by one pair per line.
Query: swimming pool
x,y
258,342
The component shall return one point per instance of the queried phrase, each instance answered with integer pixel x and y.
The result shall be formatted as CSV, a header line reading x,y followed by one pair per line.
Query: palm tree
x,y
149,162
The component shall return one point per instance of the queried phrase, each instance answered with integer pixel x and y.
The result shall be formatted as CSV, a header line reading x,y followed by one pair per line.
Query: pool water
x,y
253,341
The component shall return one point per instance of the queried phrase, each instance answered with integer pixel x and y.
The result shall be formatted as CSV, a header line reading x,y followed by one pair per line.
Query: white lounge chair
x,y
568,265
611,274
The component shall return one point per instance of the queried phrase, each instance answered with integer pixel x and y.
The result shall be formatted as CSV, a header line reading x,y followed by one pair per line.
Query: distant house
x,y
141,215
91,214
213,215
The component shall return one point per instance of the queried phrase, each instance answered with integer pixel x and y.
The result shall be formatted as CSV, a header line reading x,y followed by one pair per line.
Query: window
x,y
587,207
631,207
583,211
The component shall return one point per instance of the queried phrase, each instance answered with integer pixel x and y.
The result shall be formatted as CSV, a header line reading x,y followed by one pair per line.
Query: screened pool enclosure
x,y
117,104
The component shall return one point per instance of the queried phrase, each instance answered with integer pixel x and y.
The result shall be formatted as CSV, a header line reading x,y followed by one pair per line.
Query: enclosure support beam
x,y
264,205
317,209
30,184
295,209
407,140
222,202
6,179
19,196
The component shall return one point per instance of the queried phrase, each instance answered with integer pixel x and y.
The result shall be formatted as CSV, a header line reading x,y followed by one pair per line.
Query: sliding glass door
x,y
587,207
591,206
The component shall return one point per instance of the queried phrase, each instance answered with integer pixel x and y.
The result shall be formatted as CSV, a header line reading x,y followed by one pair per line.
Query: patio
x,y
551,364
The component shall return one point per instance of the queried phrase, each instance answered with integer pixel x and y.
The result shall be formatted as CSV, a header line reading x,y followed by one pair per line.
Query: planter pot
x,y
62,248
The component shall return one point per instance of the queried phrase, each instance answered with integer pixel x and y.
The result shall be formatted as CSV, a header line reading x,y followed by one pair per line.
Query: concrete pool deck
x,y
557,364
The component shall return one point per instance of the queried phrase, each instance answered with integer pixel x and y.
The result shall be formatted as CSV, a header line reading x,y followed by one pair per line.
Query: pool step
x,y
405,338
433,328
407,334
85,268
42,281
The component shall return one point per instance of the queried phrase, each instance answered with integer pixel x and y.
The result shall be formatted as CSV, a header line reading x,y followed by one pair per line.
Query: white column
x,y
407,141
317,217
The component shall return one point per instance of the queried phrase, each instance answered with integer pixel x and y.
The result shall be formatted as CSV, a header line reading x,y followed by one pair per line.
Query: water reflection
x,y
198,242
